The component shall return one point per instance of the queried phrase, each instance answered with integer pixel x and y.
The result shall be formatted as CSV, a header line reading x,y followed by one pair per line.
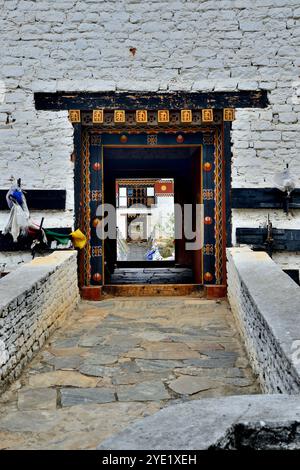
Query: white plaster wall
x,y
12,260
197,45
287,260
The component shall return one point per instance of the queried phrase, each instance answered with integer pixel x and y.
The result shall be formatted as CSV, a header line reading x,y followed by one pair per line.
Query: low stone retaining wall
x,y
34,301
238,422
266,305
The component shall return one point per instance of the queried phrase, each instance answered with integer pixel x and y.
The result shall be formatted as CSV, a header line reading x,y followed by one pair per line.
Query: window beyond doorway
x,y
145,219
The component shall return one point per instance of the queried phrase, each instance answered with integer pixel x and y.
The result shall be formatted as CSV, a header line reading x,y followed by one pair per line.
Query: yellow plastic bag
x,y
78,238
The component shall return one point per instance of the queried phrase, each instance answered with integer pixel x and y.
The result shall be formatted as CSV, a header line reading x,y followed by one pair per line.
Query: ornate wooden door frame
x,y
216,189
152,101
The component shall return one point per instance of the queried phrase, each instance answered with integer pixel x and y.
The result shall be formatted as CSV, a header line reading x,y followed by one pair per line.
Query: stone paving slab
x,y
37,399
119,360
231,372
144,391
81,396
61,378
189,385
96,370
122,378
74,427
64,363
163,350
158,364
101,359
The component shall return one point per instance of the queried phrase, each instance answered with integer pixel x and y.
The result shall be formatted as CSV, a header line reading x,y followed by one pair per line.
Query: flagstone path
x,y
117,361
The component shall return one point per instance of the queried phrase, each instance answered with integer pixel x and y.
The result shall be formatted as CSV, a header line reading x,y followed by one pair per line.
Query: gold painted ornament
x,y
97,277
98,116
97,166
163,115
123,139
186,115
207,166
119,116
74,115
207,115
208,220
96,222
141,115
208,277
228,114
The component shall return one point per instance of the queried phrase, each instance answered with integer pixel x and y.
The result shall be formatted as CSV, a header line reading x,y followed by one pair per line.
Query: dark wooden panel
x,y
294,274
24,243
39,199
262,198
284,239
77,172
175,100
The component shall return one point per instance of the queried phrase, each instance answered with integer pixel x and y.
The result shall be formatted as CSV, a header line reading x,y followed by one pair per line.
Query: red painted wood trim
x,y
215,292
91,293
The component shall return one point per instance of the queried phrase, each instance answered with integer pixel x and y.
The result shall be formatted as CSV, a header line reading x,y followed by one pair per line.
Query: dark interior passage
x,y
183,166
153,275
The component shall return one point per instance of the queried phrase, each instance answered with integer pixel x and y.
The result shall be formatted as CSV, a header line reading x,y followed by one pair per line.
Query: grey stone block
x,y
229,422
37,399
79,396
145,391
265,304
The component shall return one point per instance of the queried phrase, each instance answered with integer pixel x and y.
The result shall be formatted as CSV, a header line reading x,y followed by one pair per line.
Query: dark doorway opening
x,y
169,167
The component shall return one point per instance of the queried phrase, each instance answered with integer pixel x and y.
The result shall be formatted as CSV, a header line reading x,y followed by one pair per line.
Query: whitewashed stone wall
x,y
34,301
10,260
196,45
287,260
265,303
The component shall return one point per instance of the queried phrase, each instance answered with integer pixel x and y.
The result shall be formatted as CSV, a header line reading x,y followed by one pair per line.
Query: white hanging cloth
x,y
18,222
19,218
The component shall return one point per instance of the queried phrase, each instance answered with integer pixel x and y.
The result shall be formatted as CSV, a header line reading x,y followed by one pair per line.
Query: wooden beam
x,y
215,292
140,290
24,243
149,101
284,239
262,198
39,199
93,293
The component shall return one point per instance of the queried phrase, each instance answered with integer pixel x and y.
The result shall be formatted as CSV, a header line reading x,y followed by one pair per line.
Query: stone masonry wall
x,y
34,301
265,303
192,45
